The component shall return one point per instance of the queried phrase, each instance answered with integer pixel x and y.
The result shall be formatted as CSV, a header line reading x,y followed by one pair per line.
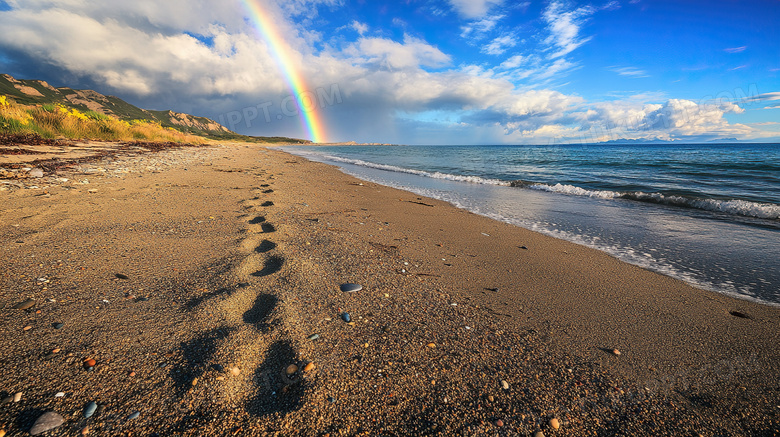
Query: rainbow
x,y
310,116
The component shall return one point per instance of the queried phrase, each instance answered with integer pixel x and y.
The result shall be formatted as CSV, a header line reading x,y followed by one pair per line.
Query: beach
x,y
204,283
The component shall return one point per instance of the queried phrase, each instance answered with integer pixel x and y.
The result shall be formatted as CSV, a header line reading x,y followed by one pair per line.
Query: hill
x,y
39,92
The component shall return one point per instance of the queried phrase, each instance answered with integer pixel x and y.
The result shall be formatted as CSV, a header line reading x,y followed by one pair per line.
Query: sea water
x,y
706,214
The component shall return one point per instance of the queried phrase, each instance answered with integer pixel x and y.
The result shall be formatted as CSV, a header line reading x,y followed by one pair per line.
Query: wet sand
x,y
195,277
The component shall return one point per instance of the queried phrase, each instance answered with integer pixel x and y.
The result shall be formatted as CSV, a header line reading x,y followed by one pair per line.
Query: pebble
x,y
309,367
314,336
60,394
554,423
90,362
350,288
499,423
504,385
27,328
235,371
2,433
24,305
195,382
431,345
48,421
89,410
58,325
490,398
134,415
131,374
539,434
18,397
291,369
85,430
616,352
345,317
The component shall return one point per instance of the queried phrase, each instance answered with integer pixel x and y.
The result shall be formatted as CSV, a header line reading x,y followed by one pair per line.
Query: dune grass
x,y
56,121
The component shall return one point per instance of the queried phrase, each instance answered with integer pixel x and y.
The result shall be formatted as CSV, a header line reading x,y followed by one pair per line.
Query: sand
x,y
195,277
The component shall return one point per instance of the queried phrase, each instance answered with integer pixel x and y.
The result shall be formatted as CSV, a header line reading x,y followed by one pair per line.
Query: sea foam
x,y
737,207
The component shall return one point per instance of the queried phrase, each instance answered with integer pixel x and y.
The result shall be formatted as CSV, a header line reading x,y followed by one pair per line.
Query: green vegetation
x,y
50,121
100,116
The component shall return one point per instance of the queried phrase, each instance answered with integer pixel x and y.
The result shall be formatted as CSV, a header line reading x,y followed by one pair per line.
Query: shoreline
x,y
624,233
243,281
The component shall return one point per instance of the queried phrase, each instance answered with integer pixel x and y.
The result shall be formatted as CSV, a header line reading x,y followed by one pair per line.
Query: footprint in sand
x,y
195,301
265,246
267,204
197,353
257,220
268,191
277,392
272,265
267,228
257,315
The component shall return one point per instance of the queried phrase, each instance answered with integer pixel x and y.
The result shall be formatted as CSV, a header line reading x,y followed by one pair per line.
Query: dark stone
x,y
90,409
350,288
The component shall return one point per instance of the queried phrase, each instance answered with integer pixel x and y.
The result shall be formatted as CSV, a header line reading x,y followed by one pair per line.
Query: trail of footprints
x,y
252,348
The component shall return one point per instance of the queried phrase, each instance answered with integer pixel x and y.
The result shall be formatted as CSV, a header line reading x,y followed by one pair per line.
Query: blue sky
x,y
424,72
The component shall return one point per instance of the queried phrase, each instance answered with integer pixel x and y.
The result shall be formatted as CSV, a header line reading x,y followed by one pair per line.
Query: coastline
x,y
243,281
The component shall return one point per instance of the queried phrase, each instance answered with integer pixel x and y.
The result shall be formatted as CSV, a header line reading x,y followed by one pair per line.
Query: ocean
x,y
705,214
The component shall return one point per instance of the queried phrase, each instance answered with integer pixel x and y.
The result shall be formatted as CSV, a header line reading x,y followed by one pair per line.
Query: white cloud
x,y
392,55
472,9
766,96
513,62
399,22
735,49
131,60
478,28
673,119
629,71
216,61
564,27
500,45
359,27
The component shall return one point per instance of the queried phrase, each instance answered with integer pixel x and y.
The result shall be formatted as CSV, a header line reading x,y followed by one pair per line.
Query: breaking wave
x,y
737,207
